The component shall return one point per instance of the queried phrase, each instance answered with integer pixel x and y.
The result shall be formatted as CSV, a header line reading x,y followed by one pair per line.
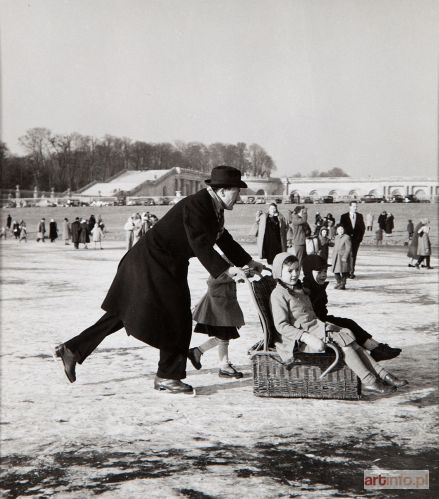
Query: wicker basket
x,y
272,379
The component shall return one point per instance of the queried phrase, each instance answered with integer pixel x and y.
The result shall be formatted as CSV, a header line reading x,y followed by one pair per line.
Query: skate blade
x,y
170,395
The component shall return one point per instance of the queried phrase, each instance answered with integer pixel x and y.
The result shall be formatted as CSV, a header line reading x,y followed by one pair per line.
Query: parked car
x,y
250,200
370,198
149,202
327,199
260,200
397,198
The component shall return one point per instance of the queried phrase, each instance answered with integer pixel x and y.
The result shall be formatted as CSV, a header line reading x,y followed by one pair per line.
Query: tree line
x,y
71,161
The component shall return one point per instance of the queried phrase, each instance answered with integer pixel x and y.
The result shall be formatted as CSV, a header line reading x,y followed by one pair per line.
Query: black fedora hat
x,y
225,176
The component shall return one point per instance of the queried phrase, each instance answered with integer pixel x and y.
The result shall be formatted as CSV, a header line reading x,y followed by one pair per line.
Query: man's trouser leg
x,y
84,344
300,251
355,247
172,364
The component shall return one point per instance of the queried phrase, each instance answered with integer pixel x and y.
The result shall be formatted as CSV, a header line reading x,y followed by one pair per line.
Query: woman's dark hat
x,y
225,176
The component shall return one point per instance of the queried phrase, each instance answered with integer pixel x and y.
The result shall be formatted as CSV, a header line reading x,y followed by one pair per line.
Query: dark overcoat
x,y
342,254
355,233
76,229
150,293
84,236
262,224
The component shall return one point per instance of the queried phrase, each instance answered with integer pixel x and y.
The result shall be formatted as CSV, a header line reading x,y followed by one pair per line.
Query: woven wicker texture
x,y
271,378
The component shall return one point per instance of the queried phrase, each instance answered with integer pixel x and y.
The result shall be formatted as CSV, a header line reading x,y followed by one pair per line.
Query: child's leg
x,y
226,368
371,364
208,345
354,362
195,353
223,353
338,279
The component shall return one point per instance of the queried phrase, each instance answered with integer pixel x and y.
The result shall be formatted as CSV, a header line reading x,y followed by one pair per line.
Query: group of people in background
x,y
80,231
275,234
18,229
137,225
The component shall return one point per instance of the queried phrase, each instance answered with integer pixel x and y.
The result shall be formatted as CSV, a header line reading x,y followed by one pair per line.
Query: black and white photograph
x,y
219,249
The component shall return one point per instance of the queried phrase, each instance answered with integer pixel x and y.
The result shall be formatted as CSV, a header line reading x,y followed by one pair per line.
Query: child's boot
x,y
338,279
343,282
229,371
194,355
394,381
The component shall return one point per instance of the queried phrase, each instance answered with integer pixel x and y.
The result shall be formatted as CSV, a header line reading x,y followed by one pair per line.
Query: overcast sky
x,y
318,83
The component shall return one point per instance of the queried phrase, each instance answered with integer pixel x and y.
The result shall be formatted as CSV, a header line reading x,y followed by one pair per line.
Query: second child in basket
x,y
300,329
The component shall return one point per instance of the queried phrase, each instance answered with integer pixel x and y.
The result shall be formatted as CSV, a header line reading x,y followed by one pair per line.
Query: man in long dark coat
x,y
150,295
76,229
354,227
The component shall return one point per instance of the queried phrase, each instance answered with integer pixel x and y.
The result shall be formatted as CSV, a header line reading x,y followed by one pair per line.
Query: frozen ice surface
x,y
111,434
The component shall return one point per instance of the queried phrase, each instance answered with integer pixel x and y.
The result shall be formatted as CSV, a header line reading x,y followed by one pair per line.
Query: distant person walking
x,y
299,230
271,233
341,257
410,229
424,246
23,231
129,232
41,230
91,223
369,221
389,224
84,234
66,231
382,220
8,222
379,237
354,227
76,230
97,235
16,229
53,230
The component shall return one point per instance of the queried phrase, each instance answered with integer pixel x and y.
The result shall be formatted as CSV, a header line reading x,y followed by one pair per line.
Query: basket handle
x,y
332,366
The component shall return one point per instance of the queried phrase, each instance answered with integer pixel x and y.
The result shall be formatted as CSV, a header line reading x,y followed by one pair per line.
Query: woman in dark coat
x,y
389,224
271,233
84,235
150,294
53,230
76,229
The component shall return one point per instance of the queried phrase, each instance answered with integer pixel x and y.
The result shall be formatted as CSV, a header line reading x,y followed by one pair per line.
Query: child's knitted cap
x,y
278,262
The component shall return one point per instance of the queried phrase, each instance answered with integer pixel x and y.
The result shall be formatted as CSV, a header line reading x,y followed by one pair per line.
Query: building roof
x,y
126,181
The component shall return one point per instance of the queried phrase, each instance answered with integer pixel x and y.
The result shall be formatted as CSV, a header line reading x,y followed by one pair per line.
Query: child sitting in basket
x,y
218,315
299,328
